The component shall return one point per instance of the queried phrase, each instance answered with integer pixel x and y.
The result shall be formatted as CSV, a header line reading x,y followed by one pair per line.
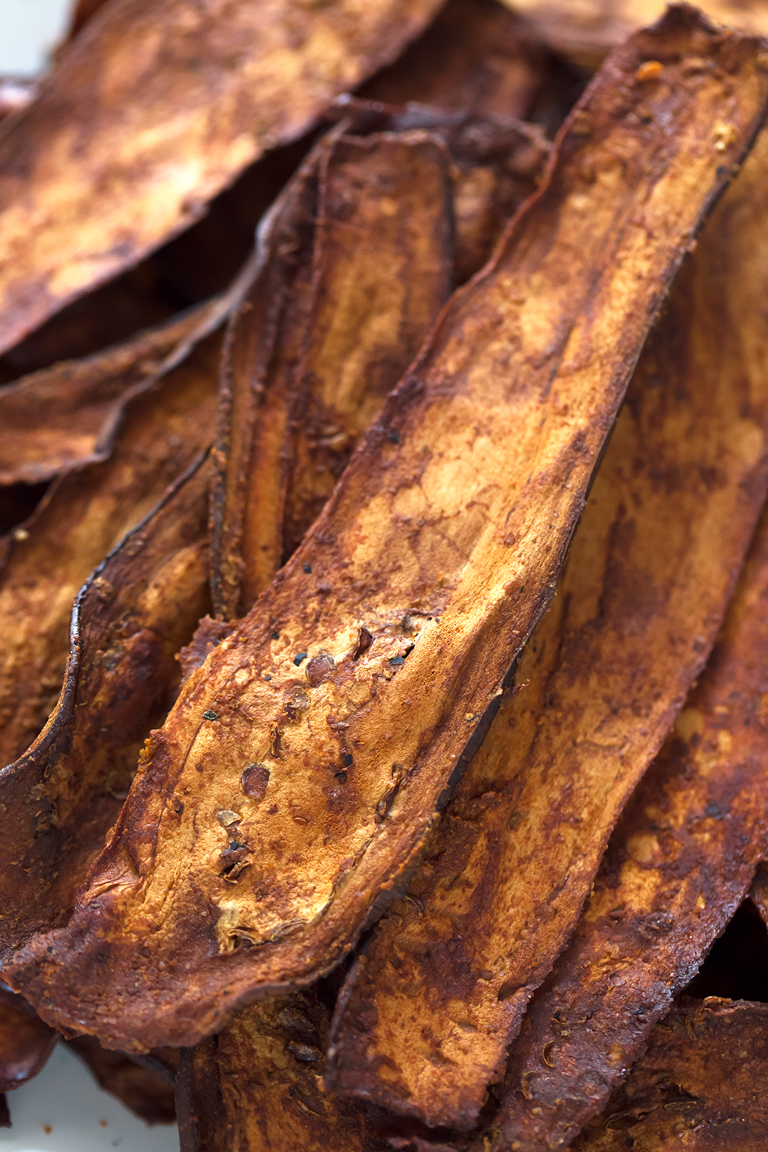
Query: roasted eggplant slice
x,y
314,761
26,1041
430,1008
145,1091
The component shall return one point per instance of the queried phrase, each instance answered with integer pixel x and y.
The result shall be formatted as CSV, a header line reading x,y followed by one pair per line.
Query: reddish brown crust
x,y
448,555
426,1017
700,1085
26,1041
145,1091
151,111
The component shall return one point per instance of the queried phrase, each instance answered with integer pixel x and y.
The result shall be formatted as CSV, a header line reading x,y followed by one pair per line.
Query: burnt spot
x,y
364,641
254,781
319,669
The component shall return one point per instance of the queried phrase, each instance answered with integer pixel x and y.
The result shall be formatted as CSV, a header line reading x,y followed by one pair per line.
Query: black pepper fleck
x,y
396,660
299,657
210,715
307,567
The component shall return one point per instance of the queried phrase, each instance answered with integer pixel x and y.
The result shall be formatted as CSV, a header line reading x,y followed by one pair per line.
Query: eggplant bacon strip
x,y
683,855
151,111
324,735
652,566
150,1094
700,1085
357,294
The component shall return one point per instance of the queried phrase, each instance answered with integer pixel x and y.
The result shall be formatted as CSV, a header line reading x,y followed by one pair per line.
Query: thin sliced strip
x,y
67,416
130,619
323,736
585,32
429,1010
356,262
699,1086
150,111
26,1041
684,852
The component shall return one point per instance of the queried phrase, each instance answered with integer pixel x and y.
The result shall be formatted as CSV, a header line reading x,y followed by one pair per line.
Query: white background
x,y
64,1097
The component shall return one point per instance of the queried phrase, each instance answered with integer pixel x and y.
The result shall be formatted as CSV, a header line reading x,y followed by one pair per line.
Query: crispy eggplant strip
x,y
652,566
256,1086
587,31
152,110
129,621
356,263
685,850
67,416
146,1092
321,760
383,237
26,1041
700,1085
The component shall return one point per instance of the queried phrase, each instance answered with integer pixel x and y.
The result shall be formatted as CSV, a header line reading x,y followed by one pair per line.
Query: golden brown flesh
x,y
438,994
699,1087
26,1041
255,1087
146,1092
153,109
67,416
586,31
304,758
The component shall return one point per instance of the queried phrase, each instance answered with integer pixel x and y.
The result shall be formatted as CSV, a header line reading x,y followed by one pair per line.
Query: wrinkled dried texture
x,y
442,543
586,31
477,54
67,416
129,621
700,1085
145,1092
26,1041
339,310
652,566
759,891
256,1087
152,110
686,848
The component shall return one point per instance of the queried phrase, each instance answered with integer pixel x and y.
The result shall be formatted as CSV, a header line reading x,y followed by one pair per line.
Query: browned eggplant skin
x,y
699,1086
456,589
426,1017
153,124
